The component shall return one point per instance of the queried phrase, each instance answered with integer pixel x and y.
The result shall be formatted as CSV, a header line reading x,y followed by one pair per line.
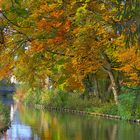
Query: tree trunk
x,y
96,87
115,86
1,36
88,83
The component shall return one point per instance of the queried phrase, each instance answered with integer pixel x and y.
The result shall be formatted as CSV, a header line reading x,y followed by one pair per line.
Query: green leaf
x,y
22,12
61,80
17,1
61,62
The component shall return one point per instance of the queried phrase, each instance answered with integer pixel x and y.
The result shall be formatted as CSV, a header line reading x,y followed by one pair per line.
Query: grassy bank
x,y
128,107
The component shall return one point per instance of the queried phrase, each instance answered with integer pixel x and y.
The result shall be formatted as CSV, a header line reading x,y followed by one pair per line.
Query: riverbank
x,y
81,112
127,109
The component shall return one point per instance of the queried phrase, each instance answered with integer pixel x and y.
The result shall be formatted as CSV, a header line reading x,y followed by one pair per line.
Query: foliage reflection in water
x,y
40,125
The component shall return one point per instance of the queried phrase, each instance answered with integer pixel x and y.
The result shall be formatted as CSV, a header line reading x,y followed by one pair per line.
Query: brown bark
x,y
96,87
1,37
115,86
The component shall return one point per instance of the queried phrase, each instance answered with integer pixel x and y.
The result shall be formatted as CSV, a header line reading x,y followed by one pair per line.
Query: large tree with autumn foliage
x,y
70,41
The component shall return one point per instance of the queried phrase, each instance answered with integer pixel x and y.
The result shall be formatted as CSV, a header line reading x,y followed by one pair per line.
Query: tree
x,y
95,42
35,34
68,41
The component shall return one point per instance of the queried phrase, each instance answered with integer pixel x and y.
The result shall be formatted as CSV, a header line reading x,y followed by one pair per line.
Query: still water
x,y
31,124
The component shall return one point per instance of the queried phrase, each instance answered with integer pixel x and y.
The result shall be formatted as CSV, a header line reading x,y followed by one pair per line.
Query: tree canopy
x,y
70,40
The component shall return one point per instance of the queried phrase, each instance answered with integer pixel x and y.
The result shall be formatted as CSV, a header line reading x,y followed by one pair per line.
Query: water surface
x,y
31,124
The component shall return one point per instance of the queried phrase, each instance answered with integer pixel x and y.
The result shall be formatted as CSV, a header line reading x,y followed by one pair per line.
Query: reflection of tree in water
x,y
4,118
48,125
61,126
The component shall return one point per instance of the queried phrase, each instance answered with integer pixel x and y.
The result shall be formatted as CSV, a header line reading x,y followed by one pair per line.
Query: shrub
x,y
33,96
51,98
109,108
126,103
63,99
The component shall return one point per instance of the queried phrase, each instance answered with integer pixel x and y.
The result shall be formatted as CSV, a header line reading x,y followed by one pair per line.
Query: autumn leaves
x,y
71,40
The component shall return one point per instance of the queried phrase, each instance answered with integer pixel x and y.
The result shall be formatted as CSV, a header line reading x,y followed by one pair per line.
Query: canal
x,y
31,124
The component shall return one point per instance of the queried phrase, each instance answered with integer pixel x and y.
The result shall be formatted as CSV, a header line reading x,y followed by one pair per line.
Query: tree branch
x,y
58,53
